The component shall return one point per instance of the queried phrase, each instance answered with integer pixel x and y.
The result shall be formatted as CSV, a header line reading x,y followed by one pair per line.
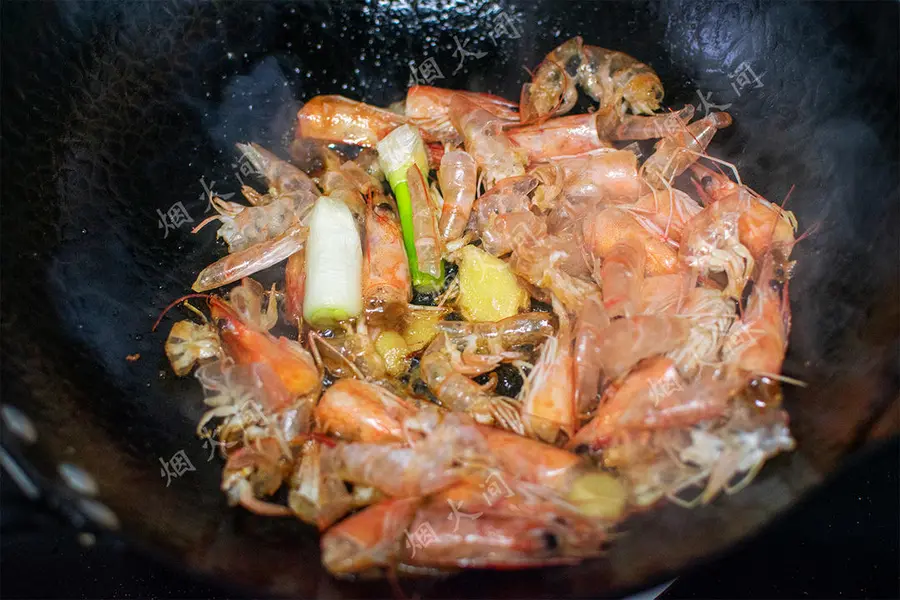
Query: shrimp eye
x,y
551,541
706,181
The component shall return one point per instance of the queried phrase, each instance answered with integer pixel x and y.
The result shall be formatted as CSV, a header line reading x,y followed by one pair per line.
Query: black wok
x,y
115,111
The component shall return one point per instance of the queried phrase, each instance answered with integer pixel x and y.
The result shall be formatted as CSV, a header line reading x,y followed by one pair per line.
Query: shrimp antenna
x,y
175,303
721,172
778,214
323,439
784,379
206,222
394,581
716,162
811,230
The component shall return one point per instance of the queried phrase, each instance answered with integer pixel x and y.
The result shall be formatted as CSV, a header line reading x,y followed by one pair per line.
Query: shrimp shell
x,y
339,119
386,280
316,495
515,533
457,177
429,248
675,153
622,276
592,320
453,449
247,345
283,177
251,260
370,539
619,81
357,411
626,341
559,138
654,397
295,286
604,229
428,108
548,396
497,157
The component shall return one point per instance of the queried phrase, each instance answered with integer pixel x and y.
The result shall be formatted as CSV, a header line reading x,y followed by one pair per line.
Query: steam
x,y
259,106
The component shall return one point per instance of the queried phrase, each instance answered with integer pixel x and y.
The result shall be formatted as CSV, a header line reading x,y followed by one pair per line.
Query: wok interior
x,y
118,112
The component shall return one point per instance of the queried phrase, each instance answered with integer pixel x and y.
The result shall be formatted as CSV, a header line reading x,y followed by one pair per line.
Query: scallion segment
x,y
333,265
397,153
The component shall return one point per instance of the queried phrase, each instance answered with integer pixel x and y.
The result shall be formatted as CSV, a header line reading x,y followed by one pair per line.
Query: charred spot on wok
x,y
425,299
384,209
450,271
509,380
420,389
430,298
538,306
413,366
327,380
483,378
454,316
745,294
411,376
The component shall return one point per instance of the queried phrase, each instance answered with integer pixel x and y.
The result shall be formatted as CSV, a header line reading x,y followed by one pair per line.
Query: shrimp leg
x,y
459,393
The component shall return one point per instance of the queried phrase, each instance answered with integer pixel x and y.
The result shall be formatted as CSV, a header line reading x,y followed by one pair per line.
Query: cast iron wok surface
x,y
114,111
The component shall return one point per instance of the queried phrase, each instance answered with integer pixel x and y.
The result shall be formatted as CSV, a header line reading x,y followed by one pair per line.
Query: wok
x,y
115,112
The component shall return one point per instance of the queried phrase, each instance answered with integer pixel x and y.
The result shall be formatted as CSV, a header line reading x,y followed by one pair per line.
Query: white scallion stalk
x,y
333,265
397,152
